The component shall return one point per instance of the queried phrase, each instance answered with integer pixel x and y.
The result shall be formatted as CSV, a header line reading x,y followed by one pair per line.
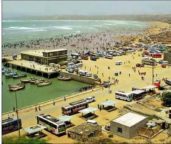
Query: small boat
x,y
16,87
168,82
25,80
19,75
44,83
64,78
33,80
3,70
10,74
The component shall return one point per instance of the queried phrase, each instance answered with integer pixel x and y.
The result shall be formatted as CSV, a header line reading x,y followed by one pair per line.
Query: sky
x,y
12,9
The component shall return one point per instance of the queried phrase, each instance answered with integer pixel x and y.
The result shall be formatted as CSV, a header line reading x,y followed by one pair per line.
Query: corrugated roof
x,y
130,119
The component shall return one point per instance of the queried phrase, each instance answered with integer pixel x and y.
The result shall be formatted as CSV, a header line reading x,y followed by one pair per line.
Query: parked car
x,y
88,75
90,99
139,65
70,70
92,121
118,63
109,56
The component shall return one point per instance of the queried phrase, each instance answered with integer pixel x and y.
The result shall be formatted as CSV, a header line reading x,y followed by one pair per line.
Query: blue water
x,y
23,30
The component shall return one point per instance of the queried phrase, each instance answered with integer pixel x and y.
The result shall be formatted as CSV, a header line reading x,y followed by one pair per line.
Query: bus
x,y
74,107
138,94
124,96
52,124
11,125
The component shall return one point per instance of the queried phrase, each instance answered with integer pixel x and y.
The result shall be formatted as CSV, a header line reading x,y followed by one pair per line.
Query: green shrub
x,y
23,140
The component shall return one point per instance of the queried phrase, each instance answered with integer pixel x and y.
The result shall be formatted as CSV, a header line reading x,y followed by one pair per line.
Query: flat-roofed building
x,y
128,125
45,56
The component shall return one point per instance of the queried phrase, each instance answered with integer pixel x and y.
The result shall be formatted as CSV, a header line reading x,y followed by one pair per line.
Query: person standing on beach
x,y
64,98
54,103
39,108
35,109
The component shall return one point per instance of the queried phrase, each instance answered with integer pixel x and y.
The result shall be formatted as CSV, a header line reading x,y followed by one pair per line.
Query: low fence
x,y
80,78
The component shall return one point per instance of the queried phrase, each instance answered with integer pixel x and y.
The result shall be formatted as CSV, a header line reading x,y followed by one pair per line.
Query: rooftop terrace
x,y
40,52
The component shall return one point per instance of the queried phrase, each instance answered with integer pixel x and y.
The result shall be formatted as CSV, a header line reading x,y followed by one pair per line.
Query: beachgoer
x,y
14,109
35,109
53,102
39,108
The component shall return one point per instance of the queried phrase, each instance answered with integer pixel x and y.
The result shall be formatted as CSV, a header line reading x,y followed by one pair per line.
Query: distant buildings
x,y
45,56
128,125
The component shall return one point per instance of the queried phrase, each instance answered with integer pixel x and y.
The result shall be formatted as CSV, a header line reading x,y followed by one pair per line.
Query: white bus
x,y
123,96
52,124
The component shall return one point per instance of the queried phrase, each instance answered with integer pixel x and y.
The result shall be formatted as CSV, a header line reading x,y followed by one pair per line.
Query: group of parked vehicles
x,y
52,124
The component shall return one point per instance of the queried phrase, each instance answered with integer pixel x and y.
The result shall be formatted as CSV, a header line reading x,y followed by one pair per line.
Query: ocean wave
x,y
63,27
25,28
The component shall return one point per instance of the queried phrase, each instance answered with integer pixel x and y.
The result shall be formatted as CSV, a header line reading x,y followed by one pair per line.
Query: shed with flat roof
x,y
128,124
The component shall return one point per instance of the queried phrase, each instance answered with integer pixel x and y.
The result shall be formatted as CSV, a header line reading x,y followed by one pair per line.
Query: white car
x,y
91,121
90,99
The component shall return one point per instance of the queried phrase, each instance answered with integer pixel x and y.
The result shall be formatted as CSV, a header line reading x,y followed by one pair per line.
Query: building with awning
x,y
108,105
35,131
89,113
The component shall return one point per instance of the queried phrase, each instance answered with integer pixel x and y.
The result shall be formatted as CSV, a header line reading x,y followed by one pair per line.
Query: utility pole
x,y
16,104
153,64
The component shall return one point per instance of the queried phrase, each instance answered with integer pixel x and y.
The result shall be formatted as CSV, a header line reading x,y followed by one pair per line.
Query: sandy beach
x,y
86,41
127,79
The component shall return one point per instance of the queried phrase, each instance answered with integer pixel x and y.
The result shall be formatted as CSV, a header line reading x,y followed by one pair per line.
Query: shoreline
x,y
50,102
82,40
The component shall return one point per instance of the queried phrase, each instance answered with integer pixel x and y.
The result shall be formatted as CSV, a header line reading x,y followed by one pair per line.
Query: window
x,y
119,130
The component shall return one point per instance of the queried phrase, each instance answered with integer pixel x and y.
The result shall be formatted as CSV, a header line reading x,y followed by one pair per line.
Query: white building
x,y
127,125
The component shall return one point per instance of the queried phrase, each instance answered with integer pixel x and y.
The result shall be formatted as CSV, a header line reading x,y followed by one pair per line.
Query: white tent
x,y
108,103
65,118
88,110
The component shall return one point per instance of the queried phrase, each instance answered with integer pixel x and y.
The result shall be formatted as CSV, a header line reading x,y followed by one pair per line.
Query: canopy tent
x,y
108,103
65,118
88,110
34,129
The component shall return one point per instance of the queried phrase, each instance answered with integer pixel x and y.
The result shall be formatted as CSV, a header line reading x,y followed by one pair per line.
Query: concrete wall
x,y
167,57
114,128
133,130
80,78
127,132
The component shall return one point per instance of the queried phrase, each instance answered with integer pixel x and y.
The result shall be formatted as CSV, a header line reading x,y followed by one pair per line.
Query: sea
x,y
24,30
